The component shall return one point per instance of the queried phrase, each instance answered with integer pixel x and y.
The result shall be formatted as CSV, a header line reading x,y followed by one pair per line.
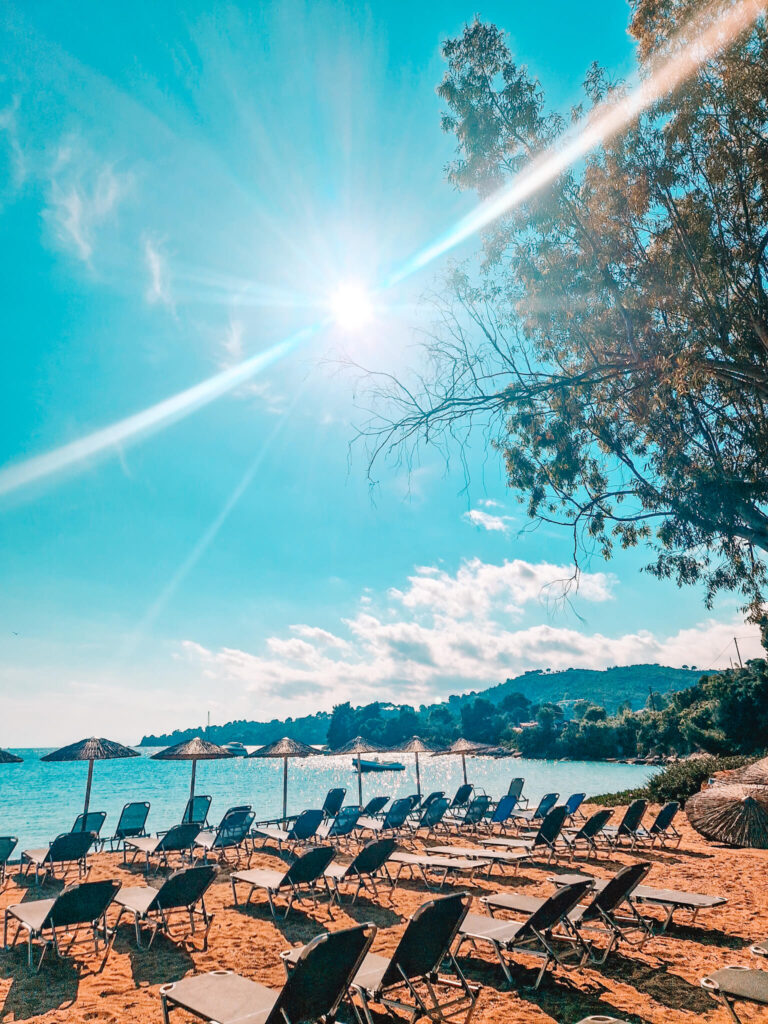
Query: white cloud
x,y
232,343
10,130
490,503
486,521
159,290
261,391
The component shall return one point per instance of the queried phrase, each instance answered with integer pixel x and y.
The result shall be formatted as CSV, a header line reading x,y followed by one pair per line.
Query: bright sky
x,y
180,190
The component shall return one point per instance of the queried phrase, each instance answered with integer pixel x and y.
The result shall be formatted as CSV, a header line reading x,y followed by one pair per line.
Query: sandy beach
x,y
659,983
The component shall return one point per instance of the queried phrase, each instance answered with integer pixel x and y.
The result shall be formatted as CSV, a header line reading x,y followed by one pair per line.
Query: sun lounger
x,y
374,806
92,822
303,878
68,849
629,828
437,864
319,981
179,839
182,892
304,827
573,806
661,828
366,866
536,935
669,900
486,853
462,796
132,823
57,923
539,812
343,825
410,980
589,833
431,818
738,984
502,814
469,817
516,790
437,794
333,801
392,821
7,846
608,909
196,811
229,838
545,838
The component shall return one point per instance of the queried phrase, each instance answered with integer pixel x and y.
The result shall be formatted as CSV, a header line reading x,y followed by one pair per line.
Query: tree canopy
x,y
612,338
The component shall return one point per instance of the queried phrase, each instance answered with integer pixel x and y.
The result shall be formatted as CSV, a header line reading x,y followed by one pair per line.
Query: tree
x,y
613,340
341,727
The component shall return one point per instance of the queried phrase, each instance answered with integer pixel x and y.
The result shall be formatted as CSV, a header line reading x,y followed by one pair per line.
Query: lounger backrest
x,y
307,823
180,837
427,939
503,809
551,827
554,909
516,788
618,888
196,811
463,793
234,827
7,846
665,817
414,799
184,888
81,903
397,813
333,802
574,802
546,804
70,846
477,810
427,802
133,820
92,822
632,817
435,813
373,855
322,976
375,805
309,866
595,824
344,822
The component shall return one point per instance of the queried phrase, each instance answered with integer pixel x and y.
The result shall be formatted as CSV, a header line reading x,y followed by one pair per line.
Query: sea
x,y
39,800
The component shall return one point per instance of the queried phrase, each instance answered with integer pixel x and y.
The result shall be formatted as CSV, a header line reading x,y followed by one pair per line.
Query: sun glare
x,y
351,306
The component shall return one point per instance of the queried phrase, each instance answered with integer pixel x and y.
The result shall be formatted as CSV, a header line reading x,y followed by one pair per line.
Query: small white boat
x,y
236,748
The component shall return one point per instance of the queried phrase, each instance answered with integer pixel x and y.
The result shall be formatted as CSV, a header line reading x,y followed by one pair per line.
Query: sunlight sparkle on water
x,y
351,306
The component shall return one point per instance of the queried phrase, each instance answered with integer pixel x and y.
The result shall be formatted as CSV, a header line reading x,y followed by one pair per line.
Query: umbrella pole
x,y
192,783
464,766
359,782
418,776
87,794
285,788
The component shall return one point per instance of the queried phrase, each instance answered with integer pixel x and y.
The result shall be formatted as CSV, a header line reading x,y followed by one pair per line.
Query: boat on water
x,y
236,748
379,766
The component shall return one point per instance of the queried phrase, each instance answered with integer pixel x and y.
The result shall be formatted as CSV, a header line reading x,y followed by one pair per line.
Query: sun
x,y
351,306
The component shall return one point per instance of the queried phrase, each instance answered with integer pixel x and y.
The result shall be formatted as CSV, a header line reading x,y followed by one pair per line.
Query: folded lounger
x,y
410,980
589,833
545,805
369,863
182,892
132,823
545,838
304,827
7,845
228,839
437,864
303,878
731,985
313,991
70,848
58,923
607,910
670,900
536,935
179,839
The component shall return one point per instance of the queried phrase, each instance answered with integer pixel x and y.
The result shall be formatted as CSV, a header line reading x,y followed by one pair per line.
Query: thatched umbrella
x,y
90,750
464,748
285,748
416,745
359,746
6,757
735,815
755,774
194,750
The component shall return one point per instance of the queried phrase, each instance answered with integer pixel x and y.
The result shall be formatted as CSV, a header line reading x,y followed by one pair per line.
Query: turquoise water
x,y
38,800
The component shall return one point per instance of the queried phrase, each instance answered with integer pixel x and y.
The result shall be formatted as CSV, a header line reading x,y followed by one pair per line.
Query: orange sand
x,y
659,983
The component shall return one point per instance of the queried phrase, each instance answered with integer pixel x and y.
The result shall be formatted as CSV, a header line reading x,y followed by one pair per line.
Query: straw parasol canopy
x,y
194,750
6,757
285,748
416,745
92,749
463,748
735,815
359,746
755,774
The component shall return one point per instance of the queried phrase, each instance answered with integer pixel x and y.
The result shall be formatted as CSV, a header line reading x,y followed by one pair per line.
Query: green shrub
x,y
625,796
682,779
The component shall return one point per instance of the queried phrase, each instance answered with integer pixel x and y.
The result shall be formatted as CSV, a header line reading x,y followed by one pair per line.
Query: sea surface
x,y
38,800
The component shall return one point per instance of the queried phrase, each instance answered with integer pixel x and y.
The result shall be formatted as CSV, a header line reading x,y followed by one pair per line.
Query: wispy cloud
x,y
159,289
9,128
486,521
263,392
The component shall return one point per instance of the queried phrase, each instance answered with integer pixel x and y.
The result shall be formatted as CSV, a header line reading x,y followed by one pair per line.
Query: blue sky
x,y
181,187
